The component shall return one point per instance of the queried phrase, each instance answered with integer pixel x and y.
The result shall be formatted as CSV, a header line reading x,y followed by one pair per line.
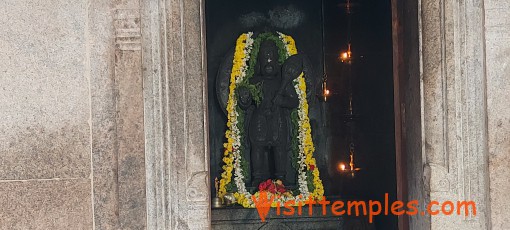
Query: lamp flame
x,y
346,55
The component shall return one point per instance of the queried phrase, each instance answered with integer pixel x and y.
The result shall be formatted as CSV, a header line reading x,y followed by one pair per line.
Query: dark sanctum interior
x,y
359,109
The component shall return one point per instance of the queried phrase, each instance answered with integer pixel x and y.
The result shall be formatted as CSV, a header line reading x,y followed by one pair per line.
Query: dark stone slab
x,y
246,219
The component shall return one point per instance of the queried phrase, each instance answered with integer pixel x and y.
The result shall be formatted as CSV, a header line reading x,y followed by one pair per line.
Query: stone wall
x,y
45,142
497,44
72,142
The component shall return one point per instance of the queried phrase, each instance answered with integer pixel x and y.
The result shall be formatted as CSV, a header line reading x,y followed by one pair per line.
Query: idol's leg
x,y
258,163
280,158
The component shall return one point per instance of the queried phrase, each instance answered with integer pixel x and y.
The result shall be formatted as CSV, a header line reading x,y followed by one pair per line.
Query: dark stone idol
x,y
268,125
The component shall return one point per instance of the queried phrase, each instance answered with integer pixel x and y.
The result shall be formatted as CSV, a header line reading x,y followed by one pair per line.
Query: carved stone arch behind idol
x,y
311,78
223,80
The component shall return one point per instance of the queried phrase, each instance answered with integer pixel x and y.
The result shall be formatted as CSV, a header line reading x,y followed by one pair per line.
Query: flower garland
x,y
232,154
306,160
309,182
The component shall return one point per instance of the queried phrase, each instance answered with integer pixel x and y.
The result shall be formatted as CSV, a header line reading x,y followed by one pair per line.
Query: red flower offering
x,y
272,186
264,186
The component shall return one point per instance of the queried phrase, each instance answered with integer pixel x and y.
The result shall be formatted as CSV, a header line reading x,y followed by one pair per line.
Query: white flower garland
x,y
303,186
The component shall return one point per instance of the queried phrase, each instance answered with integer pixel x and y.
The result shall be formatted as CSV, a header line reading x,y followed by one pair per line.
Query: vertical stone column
x,y
407,65
103,113
177,152
454,108
497,27
130,116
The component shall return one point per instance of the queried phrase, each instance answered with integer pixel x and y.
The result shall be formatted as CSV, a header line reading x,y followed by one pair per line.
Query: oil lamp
x,y
352,169
346,56
325,90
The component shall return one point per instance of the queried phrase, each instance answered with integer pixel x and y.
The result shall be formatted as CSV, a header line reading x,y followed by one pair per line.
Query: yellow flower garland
x,y
238,65
305,123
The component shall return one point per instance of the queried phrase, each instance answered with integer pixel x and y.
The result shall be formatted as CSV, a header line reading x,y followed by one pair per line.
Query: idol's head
x,y
268,58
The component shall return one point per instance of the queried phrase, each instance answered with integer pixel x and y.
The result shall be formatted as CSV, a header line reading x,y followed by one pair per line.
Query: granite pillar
x,y
497,43
177,152
454,113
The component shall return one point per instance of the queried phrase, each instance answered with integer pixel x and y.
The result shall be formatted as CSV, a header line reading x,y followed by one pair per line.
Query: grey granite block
x,y
46,204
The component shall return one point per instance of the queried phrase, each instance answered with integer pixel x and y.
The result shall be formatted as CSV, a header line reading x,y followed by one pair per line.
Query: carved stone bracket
x,y
127,29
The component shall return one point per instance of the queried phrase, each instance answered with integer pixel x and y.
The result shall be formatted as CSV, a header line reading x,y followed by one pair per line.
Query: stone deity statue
x,y
269,124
